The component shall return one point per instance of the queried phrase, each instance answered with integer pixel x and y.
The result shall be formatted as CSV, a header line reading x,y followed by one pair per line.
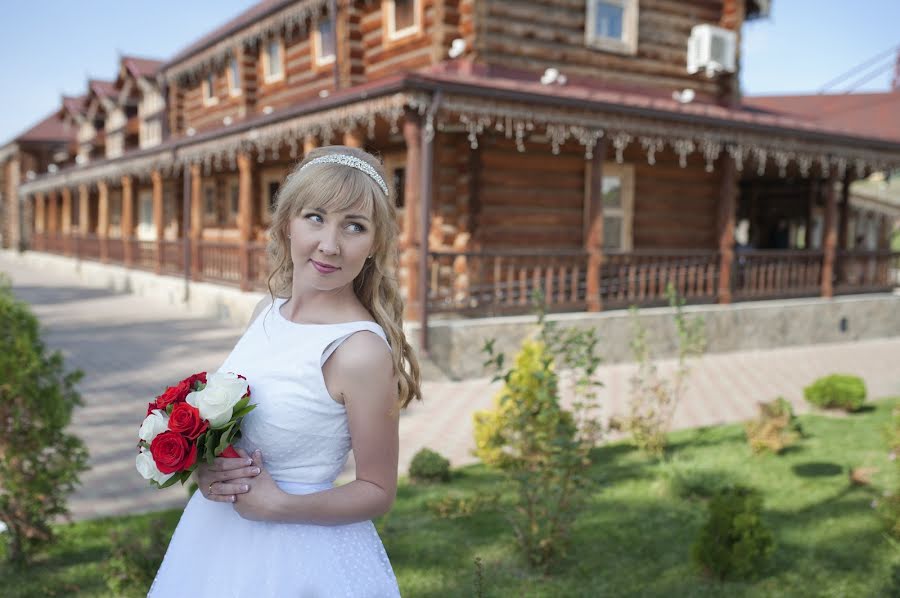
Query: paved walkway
x,y
129,347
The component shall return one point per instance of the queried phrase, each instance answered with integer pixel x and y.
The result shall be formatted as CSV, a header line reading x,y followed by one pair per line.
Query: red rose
x,y
172,452
186,420
201,377
173,394
151,407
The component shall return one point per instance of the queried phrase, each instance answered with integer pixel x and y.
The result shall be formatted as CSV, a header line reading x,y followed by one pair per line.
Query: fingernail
x,y
244,488
255,470
232,499
248,462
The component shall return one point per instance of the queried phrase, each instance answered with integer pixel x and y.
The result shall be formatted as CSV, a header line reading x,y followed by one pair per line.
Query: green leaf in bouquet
x,y
237,415
226,439
240,404
169,408
171,481
211,440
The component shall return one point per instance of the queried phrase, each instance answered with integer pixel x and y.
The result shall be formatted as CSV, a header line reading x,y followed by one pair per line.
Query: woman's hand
x,y
260,503
226,477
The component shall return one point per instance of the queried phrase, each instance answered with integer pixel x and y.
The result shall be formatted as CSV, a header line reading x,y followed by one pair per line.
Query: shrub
x,y
687,480
653,397
542,448
843,391
135,558
39,461
776,429
429,466
734,543
455,506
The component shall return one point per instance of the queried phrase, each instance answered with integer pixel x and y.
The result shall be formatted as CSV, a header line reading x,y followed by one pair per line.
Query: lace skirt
x,y
216,553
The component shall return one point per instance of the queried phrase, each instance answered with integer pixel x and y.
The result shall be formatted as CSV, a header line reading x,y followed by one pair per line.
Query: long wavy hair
x,y
336,187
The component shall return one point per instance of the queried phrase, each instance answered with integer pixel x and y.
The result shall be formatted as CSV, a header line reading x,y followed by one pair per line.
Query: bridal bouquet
x,y
197,419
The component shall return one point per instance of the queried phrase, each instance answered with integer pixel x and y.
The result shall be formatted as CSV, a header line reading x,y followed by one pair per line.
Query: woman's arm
x,y
360,372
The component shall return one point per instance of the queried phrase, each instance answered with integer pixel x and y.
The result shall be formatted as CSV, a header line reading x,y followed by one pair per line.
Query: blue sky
x,y
51,47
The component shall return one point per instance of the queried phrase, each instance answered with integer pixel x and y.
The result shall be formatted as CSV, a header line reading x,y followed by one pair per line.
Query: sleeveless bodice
x,y
301,431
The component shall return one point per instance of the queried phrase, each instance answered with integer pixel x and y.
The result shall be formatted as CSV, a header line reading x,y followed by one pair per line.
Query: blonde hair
x,y
336,187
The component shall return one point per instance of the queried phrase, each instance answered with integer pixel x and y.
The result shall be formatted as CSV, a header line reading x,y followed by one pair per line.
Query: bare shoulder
x,y
363,352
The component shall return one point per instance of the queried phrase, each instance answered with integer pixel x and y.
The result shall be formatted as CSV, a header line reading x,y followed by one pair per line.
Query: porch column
x,y
810,207
245,214
40,223
310,142
84,210
67,219
410,237
354,138
829,238
53,223
103,219
727,204
158,224
593,239
843,225
127,219
196,219
15,224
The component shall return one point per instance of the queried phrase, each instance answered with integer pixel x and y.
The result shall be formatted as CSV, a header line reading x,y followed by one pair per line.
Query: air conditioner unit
x,y
712,49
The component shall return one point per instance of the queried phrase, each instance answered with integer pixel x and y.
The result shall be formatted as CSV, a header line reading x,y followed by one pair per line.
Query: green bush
x,y
429,466
689,481
543,449
39,461
135,558
734,543
776,429
843,391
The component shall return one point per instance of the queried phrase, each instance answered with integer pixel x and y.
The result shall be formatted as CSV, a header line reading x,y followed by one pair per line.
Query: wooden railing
x,y
641,277
865,271
503,281
763,274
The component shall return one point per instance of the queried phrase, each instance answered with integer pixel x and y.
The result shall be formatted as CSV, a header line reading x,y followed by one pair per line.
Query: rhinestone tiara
x,y
353,162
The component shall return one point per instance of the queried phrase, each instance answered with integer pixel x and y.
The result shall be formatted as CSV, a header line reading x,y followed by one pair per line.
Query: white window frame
x,y
208,89
416,27
625,173
234,77
268,75
322,60
628,43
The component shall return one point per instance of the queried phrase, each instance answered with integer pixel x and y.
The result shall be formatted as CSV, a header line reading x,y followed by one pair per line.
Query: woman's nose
x,y
328,243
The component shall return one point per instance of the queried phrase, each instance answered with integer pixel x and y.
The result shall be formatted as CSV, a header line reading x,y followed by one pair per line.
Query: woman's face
x,y
329,249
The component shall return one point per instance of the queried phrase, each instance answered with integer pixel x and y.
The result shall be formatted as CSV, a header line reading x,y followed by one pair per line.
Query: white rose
x,y
217,400
146,466
154,424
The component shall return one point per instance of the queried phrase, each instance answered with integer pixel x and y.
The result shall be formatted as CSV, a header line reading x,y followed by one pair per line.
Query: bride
x,y
329,368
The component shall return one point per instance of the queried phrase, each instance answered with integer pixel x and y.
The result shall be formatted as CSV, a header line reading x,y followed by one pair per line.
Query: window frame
x,y
266,177
208,90
268,77
211,218
625,173
388,8
234,86
628,43
318,59
232,182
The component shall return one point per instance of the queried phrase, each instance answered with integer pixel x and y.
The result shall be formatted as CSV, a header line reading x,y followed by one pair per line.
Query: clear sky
x,y
51,47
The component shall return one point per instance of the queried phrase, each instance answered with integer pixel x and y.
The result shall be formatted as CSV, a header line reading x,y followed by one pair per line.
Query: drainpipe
x,y
427,164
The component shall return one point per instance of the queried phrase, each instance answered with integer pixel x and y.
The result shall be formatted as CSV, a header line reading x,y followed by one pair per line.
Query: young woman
x,y
329,369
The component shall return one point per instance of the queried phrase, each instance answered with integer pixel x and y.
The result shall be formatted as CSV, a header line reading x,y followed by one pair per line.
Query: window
x,y
234,200
234,77
270,182
210,207
618,202
273,68
209,90
324,42
403,17
612,25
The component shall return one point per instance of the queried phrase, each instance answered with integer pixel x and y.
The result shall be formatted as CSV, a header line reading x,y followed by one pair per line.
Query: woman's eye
x,y
311,216
358,228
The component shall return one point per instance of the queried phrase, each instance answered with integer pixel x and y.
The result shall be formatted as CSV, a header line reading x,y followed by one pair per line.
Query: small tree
x,y
543,448
39,462
654,397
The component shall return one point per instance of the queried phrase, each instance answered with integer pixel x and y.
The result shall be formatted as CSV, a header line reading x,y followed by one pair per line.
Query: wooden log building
x,y
553,144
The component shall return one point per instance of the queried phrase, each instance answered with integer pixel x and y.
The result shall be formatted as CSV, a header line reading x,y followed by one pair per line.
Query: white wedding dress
x,y
305,441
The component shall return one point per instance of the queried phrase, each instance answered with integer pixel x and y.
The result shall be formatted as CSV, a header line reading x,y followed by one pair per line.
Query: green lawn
x,y
635,539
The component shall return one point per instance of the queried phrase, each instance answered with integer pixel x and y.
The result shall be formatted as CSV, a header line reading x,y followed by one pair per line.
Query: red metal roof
x,y
252,14
618,97
49,129
73,104
104,89
866,114
141,67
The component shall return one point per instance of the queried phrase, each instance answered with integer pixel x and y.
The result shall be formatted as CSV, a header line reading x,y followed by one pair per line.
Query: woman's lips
x,y
323,268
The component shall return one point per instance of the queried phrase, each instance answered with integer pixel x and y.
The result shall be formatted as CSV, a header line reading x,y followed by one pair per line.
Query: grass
x,y
635,538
